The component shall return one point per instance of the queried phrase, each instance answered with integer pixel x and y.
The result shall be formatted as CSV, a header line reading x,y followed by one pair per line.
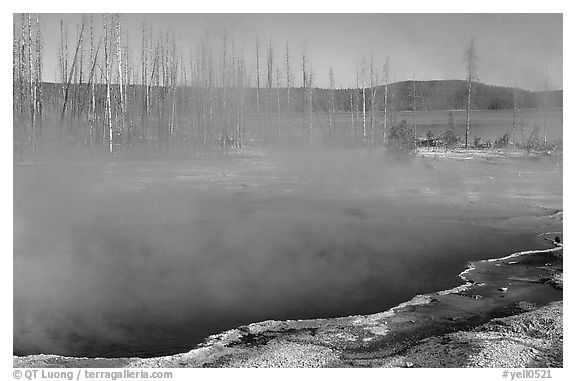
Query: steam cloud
x,y
103,269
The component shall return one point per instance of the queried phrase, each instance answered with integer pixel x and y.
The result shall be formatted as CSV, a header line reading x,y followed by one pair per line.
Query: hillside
x,y
450,94
430,95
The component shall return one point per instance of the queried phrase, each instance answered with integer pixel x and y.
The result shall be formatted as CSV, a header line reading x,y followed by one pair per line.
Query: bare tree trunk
x,y
90,89
23,89
17,89
224,113
204,76
62,60
332,127
304,83
173,78
128,73
107,71
363,100
116,21
310,106
71,74
394,106
241,103
144,80
183,100
545,108
471,66
79,131
257,77
288,107
355,124
38,87
352,112
269,85
278,100
363,114
414,105
385,127
515,117
468,102
374,88
31,87
210,78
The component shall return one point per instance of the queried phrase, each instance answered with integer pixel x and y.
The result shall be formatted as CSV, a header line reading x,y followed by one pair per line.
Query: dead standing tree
x,y
225,121
108,134
304,103
31,86
27,82
386,72
207,91
331,107
173,73
310,105
363,79
354,107
269,85
78,81
413,94
515,117
71,75
288,83
90,93
144,57
278,130
16,85
257,76
545,116
35,81
37,134
373,99
471,69
63,54
120,78
22,86
240,99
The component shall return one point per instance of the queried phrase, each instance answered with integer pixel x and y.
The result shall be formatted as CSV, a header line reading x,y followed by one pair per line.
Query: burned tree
x,y
471,69
386,72
363,79
515,116
288,83
269,85
373,102
257,76
331,106
108,48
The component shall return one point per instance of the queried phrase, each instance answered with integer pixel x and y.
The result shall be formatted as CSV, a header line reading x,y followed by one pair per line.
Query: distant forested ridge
x,y
449,95
430,95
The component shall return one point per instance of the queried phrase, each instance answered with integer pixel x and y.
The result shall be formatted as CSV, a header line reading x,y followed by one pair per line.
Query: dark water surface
x,y
108,268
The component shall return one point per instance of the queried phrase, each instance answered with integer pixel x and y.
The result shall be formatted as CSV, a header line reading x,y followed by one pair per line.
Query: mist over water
x,y
127,259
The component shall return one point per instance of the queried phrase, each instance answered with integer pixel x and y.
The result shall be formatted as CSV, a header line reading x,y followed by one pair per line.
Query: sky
x,y
514,49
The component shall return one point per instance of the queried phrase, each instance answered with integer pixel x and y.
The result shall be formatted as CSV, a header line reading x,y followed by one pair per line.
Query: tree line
x,y
114,97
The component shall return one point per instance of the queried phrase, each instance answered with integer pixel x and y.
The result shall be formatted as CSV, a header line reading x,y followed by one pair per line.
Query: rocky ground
x,y
531,339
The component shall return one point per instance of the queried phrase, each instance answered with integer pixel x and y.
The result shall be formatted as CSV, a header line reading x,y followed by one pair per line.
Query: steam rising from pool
x,y
104,267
